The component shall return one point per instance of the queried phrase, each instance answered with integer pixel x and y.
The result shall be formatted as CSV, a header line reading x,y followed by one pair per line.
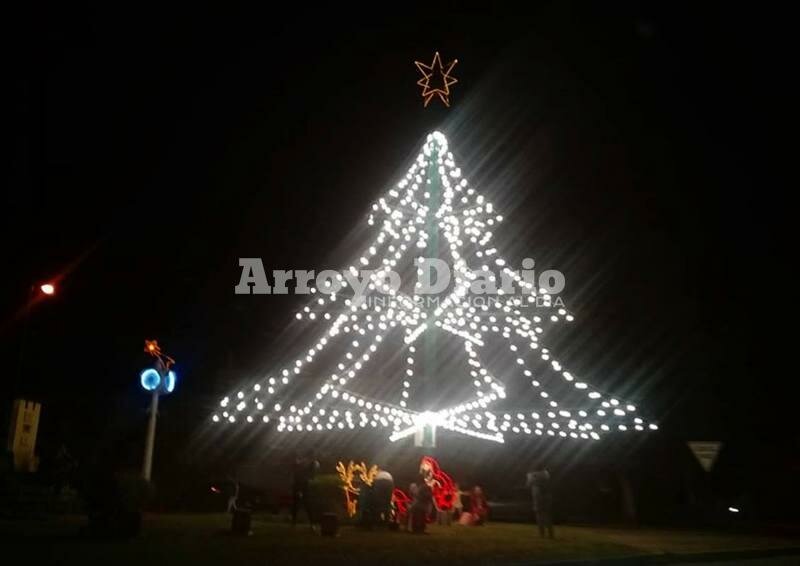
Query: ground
x,y
205,539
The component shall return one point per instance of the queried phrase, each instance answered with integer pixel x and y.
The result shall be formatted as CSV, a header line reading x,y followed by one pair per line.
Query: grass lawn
x,y
204,539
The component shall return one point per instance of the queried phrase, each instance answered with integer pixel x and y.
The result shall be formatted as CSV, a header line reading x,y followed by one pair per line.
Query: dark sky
x,y
632,148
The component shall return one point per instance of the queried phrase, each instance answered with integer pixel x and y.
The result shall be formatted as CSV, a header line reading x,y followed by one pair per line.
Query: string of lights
x,y
466,220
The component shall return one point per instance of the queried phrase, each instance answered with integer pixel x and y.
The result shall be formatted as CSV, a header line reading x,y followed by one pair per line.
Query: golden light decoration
x,y
348,476
151,347
439,75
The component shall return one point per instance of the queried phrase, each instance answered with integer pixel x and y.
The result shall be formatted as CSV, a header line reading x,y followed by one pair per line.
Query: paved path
x,y
774,561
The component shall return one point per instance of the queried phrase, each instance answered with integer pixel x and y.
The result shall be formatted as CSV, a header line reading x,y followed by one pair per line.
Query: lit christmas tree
x,y
502,379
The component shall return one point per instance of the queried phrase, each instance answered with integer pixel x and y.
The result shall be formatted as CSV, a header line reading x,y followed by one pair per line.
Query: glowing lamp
x,y
169,382
152,380
48,289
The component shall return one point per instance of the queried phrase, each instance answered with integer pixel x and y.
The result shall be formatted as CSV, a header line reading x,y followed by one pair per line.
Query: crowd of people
x,y
432,498
424,509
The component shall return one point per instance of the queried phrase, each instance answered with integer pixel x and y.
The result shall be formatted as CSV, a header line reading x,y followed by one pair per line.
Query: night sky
x,y
632,148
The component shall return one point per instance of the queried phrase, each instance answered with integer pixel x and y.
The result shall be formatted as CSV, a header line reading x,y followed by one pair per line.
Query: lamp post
x,y
25,413
158,380
45,290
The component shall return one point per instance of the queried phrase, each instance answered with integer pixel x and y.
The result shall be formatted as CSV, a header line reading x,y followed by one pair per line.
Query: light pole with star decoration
x,y
159,379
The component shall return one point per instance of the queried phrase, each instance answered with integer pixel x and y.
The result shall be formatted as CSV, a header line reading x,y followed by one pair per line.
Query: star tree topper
x,y
439,76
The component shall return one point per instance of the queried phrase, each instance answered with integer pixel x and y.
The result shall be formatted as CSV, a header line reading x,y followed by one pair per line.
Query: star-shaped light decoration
x,y
440,76
152,348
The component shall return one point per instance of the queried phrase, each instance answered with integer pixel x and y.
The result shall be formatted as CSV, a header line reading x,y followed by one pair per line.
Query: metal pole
x,y
429,340
151,437
19,389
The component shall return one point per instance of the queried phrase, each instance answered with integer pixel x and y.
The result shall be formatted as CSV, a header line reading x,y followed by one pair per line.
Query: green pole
x,y
432,251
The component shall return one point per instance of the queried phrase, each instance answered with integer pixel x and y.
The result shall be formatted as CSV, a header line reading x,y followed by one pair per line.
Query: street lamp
x,y
158,380
48,289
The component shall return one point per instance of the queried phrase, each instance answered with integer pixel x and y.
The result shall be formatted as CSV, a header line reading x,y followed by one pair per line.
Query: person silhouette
x,y
303,471
542,494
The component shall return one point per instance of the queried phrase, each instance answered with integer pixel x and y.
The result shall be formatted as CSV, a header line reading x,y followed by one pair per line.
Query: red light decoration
x,y
400,501
440,483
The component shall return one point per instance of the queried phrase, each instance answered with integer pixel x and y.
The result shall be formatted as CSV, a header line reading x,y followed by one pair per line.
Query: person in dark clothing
x,y
421,507
542,494
302,473
382,496
233,497
63,469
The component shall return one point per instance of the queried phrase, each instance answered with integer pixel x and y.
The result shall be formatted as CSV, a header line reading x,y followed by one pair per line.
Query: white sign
x,y
425,436
706,452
